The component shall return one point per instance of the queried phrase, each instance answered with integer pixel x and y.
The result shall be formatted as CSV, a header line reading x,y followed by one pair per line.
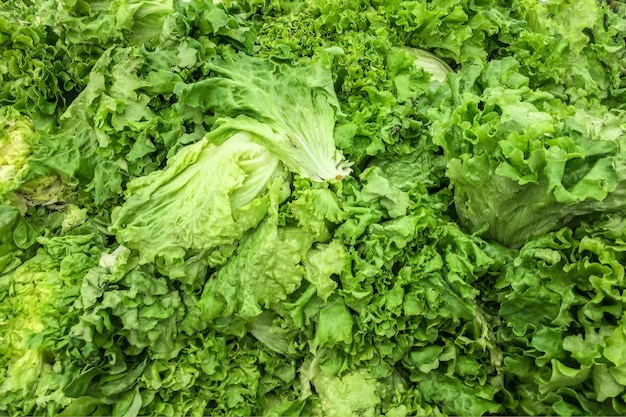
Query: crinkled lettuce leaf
x,y
561,305
36,315
522,162
291,110
15,136
574,50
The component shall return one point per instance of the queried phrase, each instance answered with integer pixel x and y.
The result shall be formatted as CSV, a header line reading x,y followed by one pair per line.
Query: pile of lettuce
x,y
312,207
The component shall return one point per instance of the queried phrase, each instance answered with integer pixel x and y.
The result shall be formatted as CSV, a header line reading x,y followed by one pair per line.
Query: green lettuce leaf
x,y
574,50
17,237
15,135
547,163
207,197
264,270
354,393
561,304
36,316
290,110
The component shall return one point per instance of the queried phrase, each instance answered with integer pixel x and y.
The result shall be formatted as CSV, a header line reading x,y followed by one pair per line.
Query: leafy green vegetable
x,y
307,207
264,271
17,235
291,111
36,318
436,67
562,317
14,151
574,50
547,163
204,201
352,394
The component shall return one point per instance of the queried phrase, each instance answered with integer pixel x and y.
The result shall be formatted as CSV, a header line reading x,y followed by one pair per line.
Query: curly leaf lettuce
x,y
264,270
36,315
522,162
562,309
15,135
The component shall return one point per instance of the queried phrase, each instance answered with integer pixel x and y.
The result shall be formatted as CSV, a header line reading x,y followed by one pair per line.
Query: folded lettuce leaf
x,y
206,198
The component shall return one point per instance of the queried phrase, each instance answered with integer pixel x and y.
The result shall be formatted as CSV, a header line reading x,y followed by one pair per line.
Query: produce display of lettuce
x,y
320,207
